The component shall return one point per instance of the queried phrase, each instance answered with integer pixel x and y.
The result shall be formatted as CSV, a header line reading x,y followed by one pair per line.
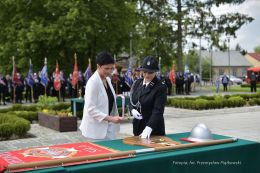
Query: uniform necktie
x,y
144,86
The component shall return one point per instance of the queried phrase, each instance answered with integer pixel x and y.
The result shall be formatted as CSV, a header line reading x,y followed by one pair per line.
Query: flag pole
x,y
174,83
31,86
60,82
14,95
77,85
116,80
45,88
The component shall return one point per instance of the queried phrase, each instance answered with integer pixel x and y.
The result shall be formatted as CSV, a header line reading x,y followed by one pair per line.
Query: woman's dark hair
x,y
104,58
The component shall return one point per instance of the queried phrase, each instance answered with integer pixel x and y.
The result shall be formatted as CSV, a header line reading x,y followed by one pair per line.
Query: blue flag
x,y
30,80
129,77
87,74
44,76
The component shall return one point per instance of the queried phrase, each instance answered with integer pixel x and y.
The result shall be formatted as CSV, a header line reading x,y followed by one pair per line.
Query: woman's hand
x,y
114,119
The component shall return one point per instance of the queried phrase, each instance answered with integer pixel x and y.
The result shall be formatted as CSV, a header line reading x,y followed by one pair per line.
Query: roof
x,y
255,56
254,69
220,58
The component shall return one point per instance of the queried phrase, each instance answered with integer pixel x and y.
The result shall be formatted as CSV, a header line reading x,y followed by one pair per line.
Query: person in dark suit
x,y
147,101
3,89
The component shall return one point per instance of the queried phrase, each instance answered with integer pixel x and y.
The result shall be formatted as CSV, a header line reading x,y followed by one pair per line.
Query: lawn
x,y
231,88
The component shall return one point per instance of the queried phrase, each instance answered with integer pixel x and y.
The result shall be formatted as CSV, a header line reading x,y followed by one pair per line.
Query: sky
x,y
248,36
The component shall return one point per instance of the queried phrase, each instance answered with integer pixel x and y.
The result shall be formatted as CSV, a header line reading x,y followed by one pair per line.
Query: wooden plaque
x,y
155,141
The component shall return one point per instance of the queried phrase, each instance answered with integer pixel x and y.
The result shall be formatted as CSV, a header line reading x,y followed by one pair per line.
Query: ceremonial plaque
x,y
153,142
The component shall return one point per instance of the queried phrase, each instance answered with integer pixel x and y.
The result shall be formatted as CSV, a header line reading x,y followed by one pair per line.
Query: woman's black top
x,y
110,98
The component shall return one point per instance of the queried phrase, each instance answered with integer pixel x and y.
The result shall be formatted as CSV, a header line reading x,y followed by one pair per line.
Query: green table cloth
x,y
241,156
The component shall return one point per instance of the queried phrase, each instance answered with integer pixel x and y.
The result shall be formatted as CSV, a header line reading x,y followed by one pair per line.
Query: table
x,y
77,104
240,156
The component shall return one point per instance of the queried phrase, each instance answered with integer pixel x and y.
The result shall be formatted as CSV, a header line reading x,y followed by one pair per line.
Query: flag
x,y
15,79
56,83
129,76
158,74
172,75
44,74
115,75
30,80
2,81
75,74
88,72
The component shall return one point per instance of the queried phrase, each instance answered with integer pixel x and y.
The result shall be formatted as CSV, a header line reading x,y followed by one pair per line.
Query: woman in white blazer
x,y
100,115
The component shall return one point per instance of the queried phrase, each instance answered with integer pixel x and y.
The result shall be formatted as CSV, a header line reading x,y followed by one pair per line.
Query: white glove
x,y
136,114
146,132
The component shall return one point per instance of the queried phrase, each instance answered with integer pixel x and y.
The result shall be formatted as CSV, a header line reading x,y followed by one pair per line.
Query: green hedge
x,y
214,102
13,125
59,106
5,110
28,115
248,85
6,130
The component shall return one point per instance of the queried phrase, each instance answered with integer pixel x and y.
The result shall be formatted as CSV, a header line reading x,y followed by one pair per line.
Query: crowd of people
x,y
22,92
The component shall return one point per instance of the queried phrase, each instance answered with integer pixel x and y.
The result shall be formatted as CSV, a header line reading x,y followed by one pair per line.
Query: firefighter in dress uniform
x,y
147,101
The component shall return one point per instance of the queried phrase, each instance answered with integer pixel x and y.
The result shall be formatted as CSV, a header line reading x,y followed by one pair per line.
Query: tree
x,y
195,19
154,35
240,49
257,49
58,29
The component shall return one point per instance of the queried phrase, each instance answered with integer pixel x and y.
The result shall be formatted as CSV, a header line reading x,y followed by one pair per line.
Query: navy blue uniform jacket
x,y
152,99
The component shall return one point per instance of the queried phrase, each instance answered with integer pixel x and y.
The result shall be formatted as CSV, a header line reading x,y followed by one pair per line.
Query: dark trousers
x,y
28,95
2,96
253,86
225,86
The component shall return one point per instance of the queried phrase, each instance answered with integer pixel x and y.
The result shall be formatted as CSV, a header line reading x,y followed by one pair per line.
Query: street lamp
x,y
210,69
200,68
229,59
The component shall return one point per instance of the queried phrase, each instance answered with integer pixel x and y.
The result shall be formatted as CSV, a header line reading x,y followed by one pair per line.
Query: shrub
x,y
32,108
16,107
46,101
252,102
206,97
60,106
216,101
5,110
256,101
17,126
236,101
20,107
6,130
28,115
4,118
21,127
200,104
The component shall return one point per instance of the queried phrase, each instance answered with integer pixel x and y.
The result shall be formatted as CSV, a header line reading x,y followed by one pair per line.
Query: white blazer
x,y
96,109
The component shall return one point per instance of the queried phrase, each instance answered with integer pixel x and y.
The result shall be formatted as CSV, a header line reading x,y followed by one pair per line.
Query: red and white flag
x,y
15,79
75,74
57,83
